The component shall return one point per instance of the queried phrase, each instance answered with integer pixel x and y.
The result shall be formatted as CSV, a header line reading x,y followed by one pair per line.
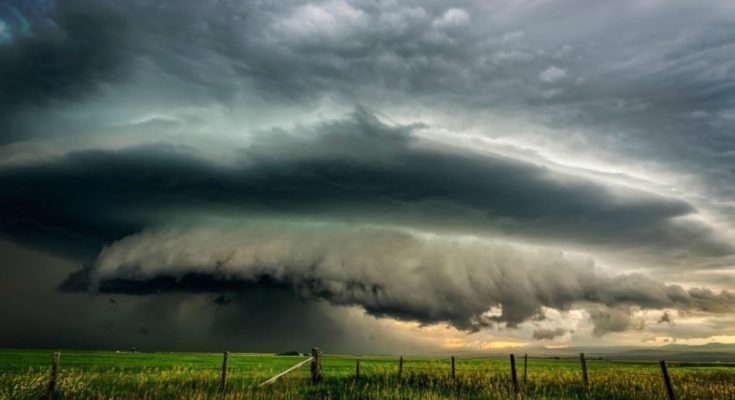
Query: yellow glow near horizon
x,y
459,343
503,344
448,337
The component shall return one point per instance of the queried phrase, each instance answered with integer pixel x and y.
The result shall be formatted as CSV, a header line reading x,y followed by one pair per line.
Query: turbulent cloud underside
x,y
426,161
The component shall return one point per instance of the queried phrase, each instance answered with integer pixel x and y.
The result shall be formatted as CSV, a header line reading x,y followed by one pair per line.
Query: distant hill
x,y
643,355
711,352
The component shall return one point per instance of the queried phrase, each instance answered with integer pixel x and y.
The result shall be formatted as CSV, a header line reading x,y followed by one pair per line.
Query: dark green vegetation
x,y
83,375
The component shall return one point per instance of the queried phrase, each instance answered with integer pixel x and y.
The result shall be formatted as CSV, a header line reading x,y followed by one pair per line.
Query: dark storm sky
x,y
266,175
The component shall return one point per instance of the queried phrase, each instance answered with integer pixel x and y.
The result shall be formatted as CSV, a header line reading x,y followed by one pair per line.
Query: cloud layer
x,y
387,272
427,132
358,168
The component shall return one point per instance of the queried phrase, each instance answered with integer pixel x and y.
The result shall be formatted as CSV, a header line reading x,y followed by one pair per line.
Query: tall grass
x,y
23,375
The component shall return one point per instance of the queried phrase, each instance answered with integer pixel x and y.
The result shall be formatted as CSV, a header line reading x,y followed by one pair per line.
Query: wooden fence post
x,y
316,365
400,368
667,381
223,380
52,378
454,375
525,367
357,368
513,376
585,378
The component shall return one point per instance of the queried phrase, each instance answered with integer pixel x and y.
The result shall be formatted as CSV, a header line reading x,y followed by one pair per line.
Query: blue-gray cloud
x,y
650,90
356,168
387,272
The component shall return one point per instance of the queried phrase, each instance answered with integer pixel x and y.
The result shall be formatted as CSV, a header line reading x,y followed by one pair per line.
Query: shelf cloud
x,y
471,164
387,272
356,167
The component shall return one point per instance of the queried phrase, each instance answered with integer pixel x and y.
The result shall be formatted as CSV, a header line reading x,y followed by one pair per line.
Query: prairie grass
x,y
110,375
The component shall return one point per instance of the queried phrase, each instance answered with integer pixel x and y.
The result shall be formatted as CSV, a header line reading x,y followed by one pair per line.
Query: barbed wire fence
x,y
517,372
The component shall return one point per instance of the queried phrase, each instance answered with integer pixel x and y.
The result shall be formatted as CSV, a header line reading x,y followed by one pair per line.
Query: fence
x,y
511,371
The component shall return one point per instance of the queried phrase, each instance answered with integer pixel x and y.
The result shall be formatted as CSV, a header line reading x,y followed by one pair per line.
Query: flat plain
x,y
24,374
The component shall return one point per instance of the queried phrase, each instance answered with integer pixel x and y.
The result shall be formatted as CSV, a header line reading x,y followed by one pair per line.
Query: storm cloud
x,y
394,273
548,334
356,167
499,159
61,56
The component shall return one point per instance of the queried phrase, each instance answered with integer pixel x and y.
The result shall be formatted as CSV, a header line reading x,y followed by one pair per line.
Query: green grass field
x,y
110,375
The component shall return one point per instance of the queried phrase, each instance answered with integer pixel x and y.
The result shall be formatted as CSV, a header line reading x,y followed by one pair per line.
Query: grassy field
x,y
89,375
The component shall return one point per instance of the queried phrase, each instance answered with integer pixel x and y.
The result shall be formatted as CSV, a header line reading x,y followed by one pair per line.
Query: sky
x,y
366,176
